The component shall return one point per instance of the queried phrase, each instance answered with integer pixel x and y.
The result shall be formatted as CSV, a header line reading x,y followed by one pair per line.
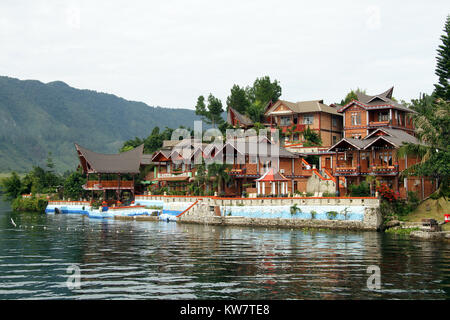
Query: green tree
x,y
442,88
311,137
256,111
238,99
219,171
11,186
352,95
212,113
73,185
259,95
50,164
200,107
264,91
215,110
432,122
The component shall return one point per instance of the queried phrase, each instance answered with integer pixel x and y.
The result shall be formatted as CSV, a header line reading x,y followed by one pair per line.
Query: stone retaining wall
x,y
205,211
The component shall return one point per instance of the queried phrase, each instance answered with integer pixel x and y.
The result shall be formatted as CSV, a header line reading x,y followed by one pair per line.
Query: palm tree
x,y
432,122
219,170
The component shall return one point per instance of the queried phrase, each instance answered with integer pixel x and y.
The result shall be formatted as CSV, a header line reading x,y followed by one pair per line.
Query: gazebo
x,y
278,182
125,163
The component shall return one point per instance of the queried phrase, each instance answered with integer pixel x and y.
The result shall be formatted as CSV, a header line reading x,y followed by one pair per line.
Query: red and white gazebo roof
x,y
271,175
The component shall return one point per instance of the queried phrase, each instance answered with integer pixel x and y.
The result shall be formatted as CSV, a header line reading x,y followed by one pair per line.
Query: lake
x,y
160,260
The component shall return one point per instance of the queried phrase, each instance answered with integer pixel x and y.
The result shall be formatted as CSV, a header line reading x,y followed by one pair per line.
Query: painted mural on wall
x,y
323,212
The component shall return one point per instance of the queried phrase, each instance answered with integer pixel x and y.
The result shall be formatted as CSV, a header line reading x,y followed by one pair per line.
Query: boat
x,y
104,212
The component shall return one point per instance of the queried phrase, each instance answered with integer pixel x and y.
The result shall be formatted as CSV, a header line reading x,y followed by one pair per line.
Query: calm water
x,y
153,260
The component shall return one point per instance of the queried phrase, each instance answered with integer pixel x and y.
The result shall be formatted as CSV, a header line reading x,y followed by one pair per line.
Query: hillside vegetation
x,y
37,118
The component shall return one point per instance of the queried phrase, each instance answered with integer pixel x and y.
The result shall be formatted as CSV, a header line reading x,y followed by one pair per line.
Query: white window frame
x,y
308,119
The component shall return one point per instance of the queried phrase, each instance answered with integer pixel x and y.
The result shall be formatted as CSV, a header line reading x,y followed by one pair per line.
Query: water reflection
x,y
158,260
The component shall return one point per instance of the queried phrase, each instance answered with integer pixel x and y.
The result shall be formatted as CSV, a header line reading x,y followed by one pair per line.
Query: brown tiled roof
x,y
394,136
306,107
125,162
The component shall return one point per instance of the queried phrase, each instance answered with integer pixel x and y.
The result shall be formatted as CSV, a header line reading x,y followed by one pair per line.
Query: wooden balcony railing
x,y
378,123
108,184
346,170
383,169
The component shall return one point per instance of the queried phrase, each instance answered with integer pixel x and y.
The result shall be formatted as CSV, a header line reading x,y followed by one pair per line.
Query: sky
x,y
167,53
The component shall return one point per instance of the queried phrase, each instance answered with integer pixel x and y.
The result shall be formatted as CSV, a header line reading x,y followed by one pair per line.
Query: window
x,y
356,136
334,121
295,119
285,121
383,116
308,119
356,119
334,139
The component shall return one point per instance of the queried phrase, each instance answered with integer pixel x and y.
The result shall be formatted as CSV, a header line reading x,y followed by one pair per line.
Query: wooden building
x,y
294,117
110,173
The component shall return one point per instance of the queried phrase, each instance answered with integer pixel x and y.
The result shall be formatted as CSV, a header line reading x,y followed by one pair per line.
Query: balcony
x,y
379,123
108,185
383,170
180,174
346,171
297,127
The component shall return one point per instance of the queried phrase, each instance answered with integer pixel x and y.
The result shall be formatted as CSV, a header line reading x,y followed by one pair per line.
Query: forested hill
x,y
37,118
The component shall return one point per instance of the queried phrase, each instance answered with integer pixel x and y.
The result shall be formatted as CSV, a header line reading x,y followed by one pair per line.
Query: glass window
x,y
356,119
308,119
334,121
285,121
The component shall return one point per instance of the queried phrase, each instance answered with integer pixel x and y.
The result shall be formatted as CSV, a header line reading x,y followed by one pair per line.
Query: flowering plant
x,y
388,193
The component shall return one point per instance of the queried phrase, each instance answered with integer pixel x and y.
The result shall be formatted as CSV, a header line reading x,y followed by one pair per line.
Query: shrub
x,y
313,214
329,194
29,204
332,215
294,210
360,190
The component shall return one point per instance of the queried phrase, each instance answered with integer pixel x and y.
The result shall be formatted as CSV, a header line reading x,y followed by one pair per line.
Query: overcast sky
x,y
167,53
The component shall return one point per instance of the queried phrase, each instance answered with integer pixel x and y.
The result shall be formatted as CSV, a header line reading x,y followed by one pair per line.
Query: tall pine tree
x,y
442,88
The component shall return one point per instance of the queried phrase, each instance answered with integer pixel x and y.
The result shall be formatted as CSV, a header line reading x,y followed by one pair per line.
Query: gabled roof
x,y
395,137
378,101
303,107
125,162
392,136
358,144
165,154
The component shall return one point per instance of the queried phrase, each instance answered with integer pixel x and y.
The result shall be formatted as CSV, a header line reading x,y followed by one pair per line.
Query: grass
x,y
437,208
401,231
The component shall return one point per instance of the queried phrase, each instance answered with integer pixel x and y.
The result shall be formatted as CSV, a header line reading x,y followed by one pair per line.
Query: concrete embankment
x,y
306,212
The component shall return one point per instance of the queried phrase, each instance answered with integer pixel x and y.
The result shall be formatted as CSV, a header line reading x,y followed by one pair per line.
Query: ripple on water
x,y
151,260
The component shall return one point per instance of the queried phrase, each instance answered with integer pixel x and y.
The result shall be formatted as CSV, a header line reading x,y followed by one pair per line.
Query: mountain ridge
x,y
37,118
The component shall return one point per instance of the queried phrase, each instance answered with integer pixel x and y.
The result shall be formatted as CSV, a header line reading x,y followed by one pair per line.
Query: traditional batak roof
x,y
271,175
243,119
378,101
302,107
125,162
